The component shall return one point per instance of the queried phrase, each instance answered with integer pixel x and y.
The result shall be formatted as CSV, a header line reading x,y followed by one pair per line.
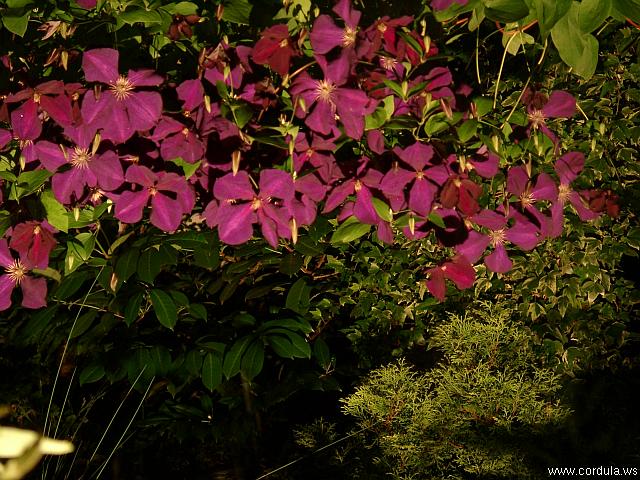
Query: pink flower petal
x,y
144,78
144,109
235,223
474,246
436,283
560,104
69,183
108,170
191,92
498,261
276,183
58,108
100,65
5,137
364,210
234,187
460,272
517,180
6,259
545,188
51,155
569,166
141,175
523,234
165,213
6,287
325,35
25,122
34,292
417,155
421,196
129,205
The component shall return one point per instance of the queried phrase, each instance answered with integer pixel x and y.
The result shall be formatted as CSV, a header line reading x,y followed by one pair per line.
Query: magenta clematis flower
x,y
458,270
326,35
365,179
326,98
34,241
241,207
177,140
528,194
568,167
274,49
34,290
27,127
484,162
120,110
51,98
423,189
522,234
317,151
5,137
540,108
170,195
88,168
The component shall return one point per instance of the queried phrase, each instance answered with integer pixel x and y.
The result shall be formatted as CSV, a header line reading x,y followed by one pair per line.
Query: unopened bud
x,y
113,283
219,12
207,103
235,161
96,144
405,88
76,213
412,225
293,225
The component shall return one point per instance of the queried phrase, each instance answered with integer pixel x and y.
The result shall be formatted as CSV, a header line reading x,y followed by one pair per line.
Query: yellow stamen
x,y
122,88
498,237
80,157
16,271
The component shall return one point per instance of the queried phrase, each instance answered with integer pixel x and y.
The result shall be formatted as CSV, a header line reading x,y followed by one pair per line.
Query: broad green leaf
x,y
291,263
308,247
253,359
17,25
299,324
161,359
382,209
237,11
578,50
29,182
119,241
132,310
548,12
467,130
350,230
211,371
18,3
506,11
282,346
184,8
233,358
164,308
298,296
83,323
70,285
140,15
127,264
91,373
290,345
592,13
193,362
321,353
627,9
188,168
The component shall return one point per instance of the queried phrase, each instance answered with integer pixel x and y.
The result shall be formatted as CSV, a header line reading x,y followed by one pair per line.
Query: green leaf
x,y
211,371
119,241
308,247
291,263
193,362
291,345
164,308
592,13
83,323
467,130
132,310
233,358
350,230
70,285
298,296
29,182
628,8
57,215
237,11
188,168
140,15
505,11
152,260
253,359
548,12
578,50
382,209
322,353
17,25
91,373
18,3
184,8
160,359
127,264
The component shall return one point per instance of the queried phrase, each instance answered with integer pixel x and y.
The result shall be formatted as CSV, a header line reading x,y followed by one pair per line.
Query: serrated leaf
x,y
211,371
164,308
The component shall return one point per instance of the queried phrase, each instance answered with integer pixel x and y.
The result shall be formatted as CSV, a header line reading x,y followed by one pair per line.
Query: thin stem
x,y
504,57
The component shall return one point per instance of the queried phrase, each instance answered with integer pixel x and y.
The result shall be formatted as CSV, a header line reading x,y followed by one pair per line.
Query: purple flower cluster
x,y
111,137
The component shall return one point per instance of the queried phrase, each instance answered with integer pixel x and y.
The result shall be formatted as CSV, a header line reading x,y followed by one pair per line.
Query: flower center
x,y
324,90
563,192
284,43
16,271
388,63
36,97
25,143
357,186
536,118
498,237
122,88
153,191
256,203
348,37
420,175
80,157
527,199
382,27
